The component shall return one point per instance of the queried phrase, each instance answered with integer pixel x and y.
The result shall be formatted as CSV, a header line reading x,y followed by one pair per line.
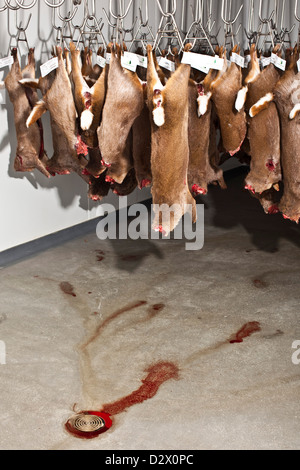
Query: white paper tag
x,y
217,63
237,59
48,66
166,64
278,61
196,61
142,60
202,62
298,65
129,61
108,57
5,61
101,61
247,59
264,61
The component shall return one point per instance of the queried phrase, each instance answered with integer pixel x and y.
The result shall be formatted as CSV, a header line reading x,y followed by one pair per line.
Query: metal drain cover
x,y
88,424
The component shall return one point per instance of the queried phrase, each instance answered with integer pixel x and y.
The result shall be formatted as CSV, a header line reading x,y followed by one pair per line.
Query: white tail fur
x,y
86,119
294,111
202,101
241,98
261,104
36,113
159,116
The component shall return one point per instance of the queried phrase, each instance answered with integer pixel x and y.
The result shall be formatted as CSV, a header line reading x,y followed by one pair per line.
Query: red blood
x,y
144,183
157,375
89,434
105,164
273,209
245,331
200,89
270,165
249,187
156,92
81,147
67,288
100,255
198,190
160,229
109,179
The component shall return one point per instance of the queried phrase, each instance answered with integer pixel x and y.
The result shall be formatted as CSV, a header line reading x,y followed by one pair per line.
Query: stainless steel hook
x,y
26,7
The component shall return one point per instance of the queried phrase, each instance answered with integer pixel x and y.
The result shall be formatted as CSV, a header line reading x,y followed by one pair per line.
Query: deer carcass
x,y
168,106
30,153
89,101
123,104
69,151
224,91
202,169
287,98
263,128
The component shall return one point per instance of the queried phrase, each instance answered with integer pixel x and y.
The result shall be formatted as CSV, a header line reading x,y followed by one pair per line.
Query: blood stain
x,y
259,283
67,288
246,330
112,317
154,309
157,375
100,255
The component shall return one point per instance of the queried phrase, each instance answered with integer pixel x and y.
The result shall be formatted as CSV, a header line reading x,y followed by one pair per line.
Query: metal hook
x,y
229,22
169,13
144,23
54,5
3,8
264,20
10,7
120,17
69,16
26,7
295,11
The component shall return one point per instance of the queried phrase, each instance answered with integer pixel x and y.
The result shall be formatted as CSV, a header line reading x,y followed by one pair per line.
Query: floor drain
x,y
88,424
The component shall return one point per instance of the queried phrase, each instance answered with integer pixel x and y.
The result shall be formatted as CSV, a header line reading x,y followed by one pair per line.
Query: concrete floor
x,y
80,332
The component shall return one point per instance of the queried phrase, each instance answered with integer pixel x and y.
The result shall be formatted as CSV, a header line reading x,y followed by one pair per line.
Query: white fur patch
x,y
159,116
32,116
86,119
30,81
241,98
202,101
260,104
294,111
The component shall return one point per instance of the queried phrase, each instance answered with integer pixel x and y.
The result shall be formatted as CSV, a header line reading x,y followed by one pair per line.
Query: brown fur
x,y
232,123
97,99
124,103
286,95
58,100
263,130
141,146
29,154
169,146
201,170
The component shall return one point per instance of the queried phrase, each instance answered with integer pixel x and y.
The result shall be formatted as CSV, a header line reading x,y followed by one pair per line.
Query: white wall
x,y
32,206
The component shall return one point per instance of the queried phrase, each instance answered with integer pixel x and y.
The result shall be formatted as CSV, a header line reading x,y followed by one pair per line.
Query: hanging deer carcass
x,y
168,106
30,152
69,151
123,104
263,130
